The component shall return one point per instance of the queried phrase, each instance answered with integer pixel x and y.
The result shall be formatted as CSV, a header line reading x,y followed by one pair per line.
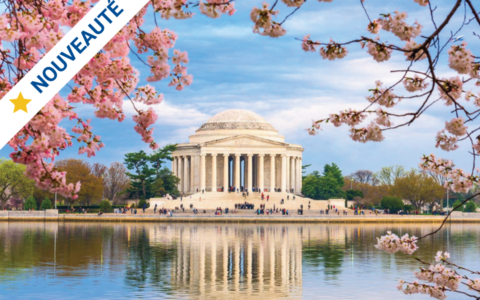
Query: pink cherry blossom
x,y
374,27
333,51
413,51
445,142
397,25
415,84
293,3
380,52
371,132
422,2
262,17
383,96
450,89
460,59
456,126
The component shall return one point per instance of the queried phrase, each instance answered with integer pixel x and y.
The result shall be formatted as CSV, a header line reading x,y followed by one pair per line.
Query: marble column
x,y
234,170
192,173
299,176
284,173
237,171
225,172
261,172
185,174
179,173
292,172
249,172
243,175
272,172
173,166
287,181
214,172
202,172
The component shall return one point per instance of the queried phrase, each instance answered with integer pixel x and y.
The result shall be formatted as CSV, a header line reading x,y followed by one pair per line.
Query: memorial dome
x,y
236,119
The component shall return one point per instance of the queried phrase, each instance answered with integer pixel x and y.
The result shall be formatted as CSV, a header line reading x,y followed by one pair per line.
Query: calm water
x,y
213,261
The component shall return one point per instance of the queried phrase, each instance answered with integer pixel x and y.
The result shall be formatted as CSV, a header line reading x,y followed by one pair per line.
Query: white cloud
x,y
172,115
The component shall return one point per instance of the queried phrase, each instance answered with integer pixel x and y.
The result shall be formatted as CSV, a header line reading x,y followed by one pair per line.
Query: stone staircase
x,y
212,200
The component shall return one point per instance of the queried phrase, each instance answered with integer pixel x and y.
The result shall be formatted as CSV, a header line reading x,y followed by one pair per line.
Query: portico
x,y
238,149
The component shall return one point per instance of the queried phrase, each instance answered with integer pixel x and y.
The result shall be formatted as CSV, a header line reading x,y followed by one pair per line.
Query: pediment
x,y
245,141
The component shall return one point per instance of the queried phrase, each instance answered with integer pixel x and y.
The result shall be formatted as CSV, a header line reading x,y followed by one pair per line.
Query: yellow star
x,y
20,103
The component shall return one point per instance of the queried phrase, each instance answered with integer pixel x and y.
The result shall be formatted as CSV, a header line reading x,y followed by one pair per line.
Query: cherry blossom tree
x,y
30,28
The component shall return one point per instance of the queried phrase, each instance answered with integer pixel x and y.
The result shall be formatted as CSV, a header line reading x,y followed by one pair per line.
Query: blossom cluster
x,y
444,279
379,52
419,288
215,8
413,51
458,180
374,27
172,9
440,275
456,126
396,24
262,17
469,95
372,132
382,118
445,142
474,284
333,51
422,2
349,117
391,243
383,96
461,60
415,84
308,45
293,3
450,89
144,120
330,51
48,139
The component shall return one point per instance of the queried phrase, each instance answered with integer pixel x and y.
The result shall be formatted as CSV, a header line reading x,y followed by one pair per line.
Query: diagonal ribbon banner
x,y
74,50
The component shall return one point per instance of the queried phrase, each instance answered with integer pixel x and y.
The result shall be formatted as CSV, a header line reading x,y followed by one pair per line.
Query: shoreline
x,y
115,218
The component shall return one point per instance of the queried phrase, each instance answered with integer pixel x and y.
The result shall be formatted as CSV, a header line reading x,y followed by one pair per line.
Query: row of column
x,y
256,266
184,167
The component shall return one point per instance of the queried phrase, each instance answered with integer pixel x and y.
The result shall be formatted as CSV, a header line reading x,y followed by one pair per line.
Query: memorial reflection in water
x,y
250,259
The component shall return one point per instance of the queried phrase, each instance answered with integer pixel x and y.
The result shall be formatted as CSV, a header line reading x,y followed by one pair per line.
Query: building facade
x,y
237,148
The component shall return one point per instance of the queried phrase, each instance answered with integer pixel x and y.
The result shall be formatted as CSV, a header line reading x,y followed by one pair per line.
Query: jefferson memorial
x,y
238,149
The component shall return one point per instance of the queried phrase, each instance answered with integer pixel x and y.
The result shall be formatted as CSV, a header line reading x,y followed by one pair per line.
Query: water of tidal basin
x,y
214,261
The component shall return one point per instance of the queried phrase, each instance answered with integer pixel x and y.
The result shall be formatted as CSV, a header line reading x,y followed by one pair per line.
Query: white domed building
x,y
238,148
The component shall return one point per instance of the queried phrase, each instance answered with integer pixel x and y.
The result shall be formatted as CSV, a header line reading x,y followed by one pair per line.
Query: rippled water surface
x,y
214,261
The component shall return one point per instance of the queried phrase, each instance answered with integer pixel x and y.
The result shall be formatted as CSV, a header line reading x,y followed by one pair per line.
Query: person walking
x,y
155,209
144,206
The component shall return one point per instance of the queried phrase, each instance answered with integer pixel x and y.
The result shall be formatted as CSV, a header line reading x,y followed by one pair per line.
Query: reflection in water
x,y
221,260
125,261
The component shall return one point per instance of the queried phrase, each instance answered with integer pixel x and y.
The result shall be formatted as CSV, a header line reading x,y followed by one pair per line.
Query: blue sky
x,y
234,68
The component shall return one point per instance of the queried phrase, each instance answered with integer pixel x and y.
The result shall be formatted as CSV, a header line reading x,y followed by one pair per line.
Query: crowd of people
x,y
245,205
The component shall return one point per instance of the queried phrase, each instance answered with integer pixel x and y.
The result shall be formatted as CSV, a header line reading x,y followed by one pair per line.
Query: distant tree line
x,y
141,176
391,184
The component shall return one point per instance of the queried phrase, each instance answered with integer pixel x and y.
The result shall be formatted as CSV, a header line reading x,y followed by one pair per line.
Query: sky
x,y
235,68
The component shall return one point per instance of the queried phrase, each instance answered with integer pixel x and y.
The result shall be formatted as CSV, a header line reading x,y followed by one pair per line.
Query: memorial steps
x,y
212,200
